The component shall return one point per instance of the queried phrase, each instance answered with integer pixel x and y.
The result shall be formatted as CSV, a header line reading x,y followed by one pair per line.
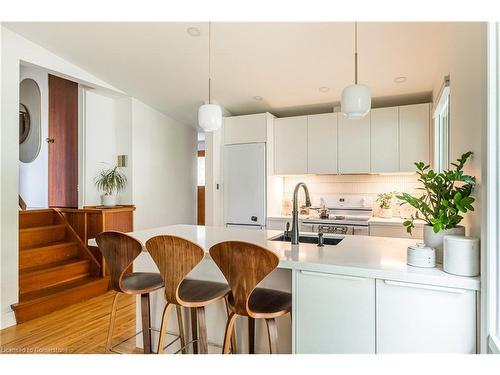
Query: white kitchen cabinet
x,y
418,318
354,144
322,143
246,129
396,231
290,145
384,147
414,131
334,313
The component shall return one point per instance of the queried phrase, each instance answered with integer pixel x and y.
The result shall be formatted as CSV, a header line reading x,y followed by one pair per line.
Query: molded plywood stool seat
x,y
119,250
175,258
244,266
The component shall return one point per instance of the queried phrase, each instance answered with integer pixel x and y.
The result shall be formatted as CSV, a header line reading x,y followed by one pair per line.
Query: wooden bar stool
x,y
245,265
119,250
175,258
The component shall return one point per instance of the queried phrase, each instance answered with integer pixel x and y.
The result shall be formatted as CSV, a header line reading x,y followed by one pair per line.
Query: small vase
x,y
435,240
385,213
108,200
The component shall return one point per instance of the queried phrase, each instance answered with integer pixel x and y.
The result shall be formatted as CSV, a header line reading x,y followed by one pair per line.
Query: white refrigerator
x,y
244,185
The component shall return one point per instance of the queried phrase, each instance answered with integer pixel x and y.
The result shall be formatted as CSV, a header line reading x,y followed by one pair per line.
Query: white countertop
x,y
364,256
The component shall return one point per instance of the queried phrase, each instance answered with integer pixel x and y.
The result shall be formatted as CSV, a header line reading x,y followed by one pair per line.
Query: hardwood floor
x,y
80,328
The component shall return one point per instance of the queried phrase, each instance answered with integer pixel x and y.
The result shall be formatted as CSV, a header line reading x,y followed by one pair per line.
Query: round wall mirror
x,y
30,132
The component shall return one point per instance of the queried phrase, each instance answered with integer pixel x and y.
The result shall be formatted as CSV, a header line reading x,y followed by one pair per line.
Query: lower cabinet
x,y
334,313
346,314
417,318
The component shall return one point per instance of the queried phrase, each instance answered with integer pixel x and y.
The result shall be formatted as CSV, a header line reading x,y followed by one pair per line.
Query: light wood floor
x,y
80,328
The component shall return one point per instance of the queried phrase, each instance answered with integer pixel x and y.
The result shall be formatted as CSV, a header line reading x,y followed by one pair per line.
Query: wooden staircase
x,y
56,269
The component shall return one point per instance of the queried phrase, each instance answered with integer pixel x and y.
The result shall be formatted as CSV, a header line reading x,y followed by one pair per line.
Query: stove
x,y
341,220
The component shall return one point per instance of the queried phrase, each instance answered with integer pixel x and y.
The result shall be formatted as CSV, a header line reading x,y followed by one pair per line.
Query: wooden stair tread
x,y
36,211
41,228
38,295
50,245
51,266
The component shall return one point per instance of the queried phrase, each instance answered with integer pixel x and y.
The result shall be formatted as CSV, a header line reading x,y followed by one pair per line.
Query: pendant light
x,y
356,99
210,115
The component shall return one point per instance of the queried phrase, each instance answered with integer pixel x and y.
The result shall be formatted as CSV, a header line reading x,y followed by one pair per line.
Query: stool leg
x,y
194,329
251,335
163,327
181,328
112,322
146,323
272,331
200,311
234,349
228,333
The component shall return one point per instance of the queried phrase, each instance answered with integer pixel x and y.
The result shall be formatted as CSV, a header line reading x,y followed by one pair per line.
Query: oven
x,y
321,225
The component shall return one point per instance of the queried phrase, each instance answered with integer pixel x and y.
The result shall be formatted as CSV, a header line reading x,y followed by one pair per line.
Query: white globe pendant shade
x,y
356,101
210,117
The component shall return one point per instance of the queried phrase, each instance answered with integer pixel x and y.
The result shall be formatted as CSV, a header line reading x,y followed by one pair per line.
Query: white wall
x,y
164,174
33,177
465,61
14,51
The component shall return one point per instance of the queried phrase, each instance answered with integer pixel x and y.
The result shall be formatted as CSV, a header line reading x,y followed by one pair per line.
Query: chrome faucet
x,y
295,211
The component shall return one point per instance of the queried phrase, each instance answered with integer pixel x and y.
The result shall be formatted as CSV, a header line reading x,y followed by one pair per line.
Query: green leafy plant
x,y
446,196
385,199
110,180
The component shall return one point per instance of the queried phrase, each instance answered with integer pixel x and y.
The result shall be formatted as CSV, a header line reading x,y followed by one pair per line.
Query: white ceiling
x,y
284,63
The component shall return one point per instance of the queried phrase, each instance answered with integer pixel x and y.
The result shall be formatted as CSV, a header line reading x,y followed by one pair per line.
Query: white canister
x,y
420,255
461,255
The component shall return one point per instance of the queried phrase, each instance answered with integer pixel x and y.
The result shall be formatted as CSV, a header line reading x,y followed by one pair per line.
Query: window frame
x,y
441,118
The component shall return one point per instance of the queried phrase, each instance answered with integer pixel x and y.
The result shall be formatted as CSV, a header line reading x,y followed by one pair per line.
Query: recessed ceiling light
x,y
258,98
324,89
193,31
400,79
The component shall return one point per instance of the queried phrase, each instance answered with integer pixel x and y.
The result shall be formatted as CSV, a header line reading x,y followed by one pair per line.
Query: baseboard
x,y
8,319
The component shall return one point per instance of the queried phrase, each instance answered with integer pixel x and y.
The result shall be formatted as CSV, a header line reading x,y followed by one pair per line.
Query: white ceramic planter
x,y
108,200
386,213
435,240
461,255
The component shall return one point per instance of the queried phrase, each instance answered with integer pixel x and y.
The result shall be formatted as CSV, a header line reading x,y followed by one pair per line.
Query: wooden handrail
x,y
22,203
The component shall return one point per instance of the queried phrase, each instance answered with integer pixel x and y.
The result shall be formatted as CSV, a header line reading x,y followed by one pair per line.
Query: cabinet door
x,y
384,140
245,129
354,145
417,318
334,313
278,223
322,143
413,135
290,145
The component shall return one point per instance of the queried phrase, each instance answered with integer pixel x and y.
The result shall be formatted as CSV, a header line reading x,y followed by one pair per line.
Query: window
x,y
442,128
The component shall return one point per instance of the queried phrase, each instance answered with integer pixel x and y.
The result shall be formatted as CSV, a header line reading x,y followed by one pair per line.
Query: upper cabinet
x,y
322,143
354,145
384,146
413,135
245,129
387,140
290,145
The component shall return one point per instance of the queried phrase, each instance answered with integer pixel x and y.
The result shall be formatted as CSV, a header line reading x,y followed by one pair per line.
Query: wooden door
x,y
63,142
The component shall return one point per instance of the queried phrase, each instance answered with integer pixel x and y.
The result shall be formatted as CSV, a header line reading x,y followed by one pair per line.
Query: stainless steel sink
x,y
304,238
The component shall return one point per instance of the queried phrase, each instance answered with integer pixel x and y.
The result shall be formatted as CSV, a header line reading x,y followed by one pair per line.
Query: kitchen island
x,y
358,296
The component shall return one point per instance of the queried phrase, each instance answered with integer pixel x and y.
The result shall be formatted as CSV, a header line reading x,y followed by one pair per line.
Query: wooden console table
x,y
92,220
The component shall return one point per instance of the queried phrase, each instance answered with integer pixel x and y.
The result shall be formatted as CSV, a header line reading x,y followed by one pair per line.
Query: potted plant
x,y
446,197
385,203
110,182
